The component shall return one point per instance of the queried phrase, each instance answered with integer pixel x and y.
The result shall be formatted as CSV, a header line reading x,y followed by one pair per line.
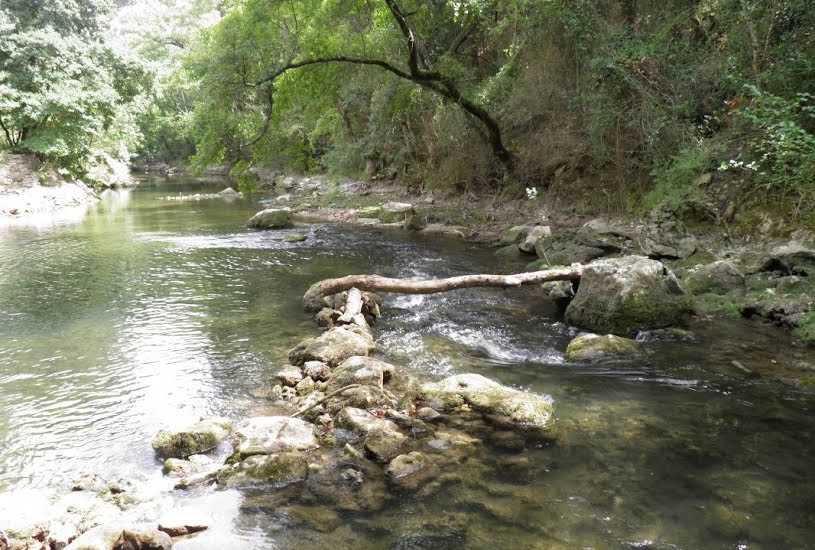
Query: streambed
x,y
147,313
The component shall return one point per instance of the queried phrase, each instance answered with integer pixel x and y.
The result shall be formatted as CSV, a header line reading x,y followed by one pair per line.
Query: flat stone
x,y
273,434
487,396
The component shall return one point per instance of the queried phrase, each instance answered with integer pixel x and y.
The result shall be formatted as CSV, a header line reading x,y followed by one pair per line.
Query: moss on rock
x,y
591,347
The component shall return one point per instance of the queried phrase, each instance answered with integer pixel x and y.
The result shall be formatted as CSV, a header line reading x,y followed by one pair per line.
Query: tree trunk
x,y
376,283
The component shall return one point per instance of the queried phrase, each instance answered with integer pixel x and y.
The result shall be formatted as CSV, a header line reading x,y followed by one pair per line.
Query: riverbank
x,y
161,312
751,275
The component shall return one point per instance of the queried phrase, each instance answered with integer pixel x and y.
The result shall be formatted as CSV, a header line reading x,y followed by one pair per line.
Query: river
x,y
145,313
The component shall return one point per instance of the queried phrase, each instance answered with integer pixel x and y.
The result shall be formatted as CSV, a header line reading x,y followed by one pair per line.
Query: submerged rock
x,y
486,396
384,442
405,465
591,347
271,218
199,438
279,469
273,434
334,346
625,295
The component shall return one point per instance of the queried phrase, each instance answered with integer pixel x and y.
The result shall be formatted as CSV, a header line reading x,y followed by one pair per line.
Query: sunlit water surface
x,y
147,313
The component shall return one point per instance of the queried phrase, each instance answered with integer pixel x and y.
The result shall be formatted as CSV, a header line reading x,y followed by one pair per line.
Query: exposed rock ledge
x,y
26,189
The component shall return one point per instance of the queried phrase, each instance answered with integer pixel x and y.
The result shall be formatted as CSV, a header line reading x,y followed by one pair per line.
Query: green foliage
x,y
782,141
806,332
64,92
677,183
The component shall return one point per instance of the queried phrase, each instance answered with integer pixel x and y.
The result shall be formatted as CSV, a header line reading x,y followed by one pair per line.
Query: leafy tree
x,y
61,86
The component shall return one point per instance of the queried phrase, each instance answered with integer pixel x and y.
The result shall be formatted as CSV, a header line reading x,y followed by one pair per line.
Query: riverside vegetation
x,y
653,162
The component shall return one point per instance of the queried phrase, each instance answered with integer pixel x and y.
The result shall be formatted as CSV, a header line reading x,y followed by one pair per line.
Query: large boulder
x,y
718,277
271,218
489,397
198,438
591,347
273,434
334,346
278,469
625,295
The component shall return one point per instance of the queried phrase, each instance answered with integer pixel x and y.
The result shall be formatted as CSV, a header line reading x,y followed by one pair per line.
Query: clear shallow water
x,y
147,313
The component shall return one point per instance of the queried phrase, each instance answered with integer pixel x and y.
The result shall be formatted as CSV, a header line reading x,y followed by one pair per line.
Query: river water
x,y
146,313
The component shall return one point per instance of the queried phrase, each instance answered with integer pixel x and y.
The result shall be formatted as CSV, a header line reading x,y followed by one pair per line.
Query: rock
x,y
360,370
591,347
672,334
718,277
442,229
290,376
229,193
183,521
384,442
176,467
361,421
514,235
295,238
625,295
305,386
199,438
317,370
334,346
351,454
272,218
132,539
428,414
486,396
405,465
667,237
393,212
566,250
609,237
278,469
792,258
273,434
532,237
102,537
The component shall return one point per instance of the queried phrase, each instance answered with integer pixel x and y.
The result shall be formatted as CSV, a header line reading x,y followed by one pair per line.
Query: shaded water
x,y
148,313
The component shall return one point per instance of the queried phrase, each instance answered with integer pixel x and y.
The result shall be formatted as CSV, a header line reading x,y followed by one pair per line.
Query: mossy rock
x,y
405,465
396,212
718,277
623,296
278,469
489,397
199,438
272,218
333,347
514,235
591,347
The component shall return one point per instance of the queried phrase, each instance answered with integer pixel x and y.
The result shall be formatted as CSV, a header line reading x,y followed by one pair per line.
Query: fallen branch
x,y
324,399
375,283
